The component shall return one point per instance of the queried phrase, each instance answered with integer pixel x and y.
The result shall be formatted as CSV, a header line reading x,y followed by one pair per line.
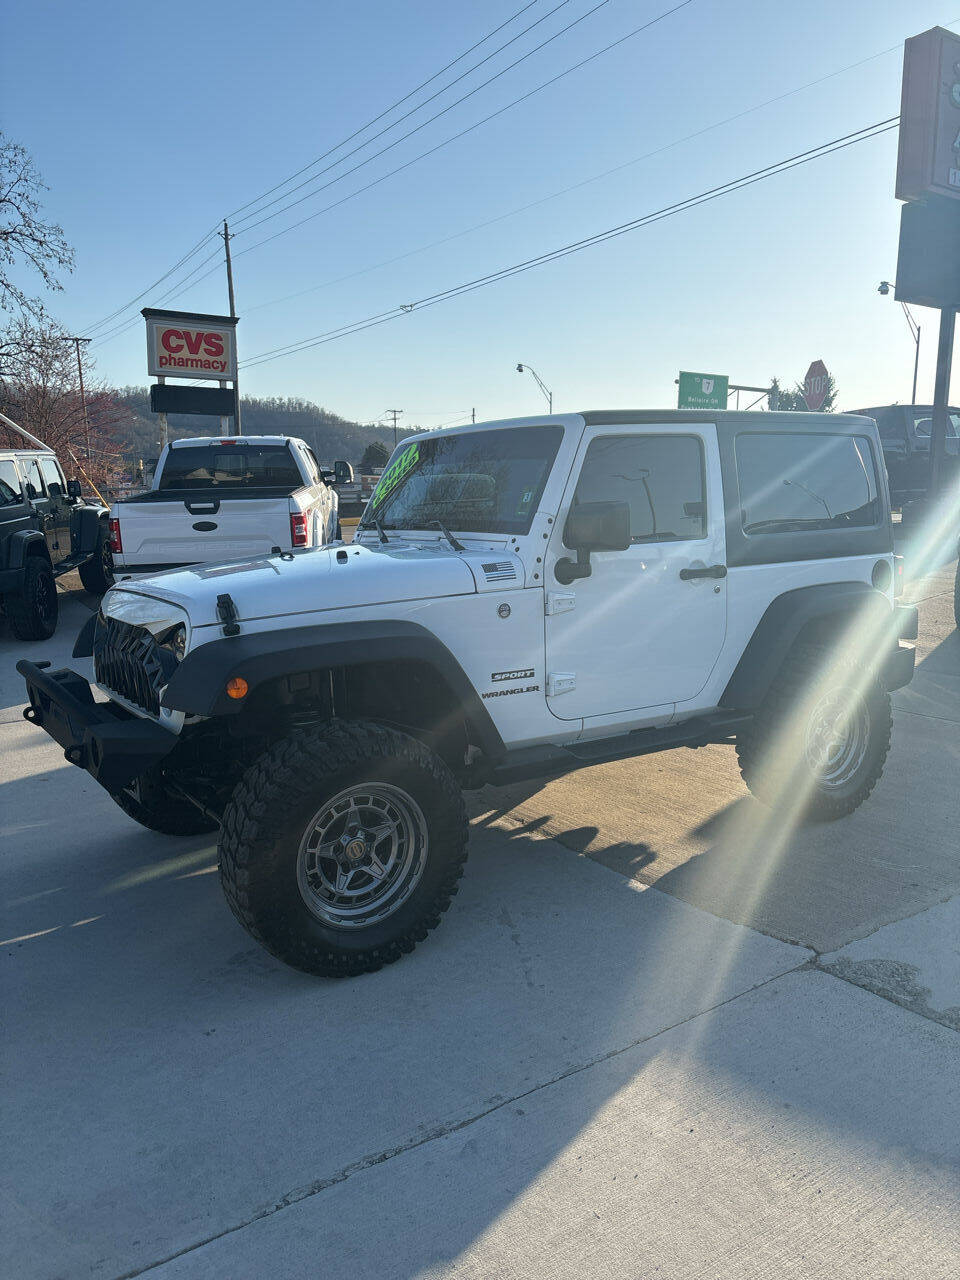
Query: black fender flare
x,y
198,686
794,612
20,544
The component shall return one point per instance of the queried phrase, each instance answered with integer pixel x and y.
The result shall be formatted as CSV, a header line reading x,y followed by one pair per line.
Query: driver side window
x,y
661,478
33,481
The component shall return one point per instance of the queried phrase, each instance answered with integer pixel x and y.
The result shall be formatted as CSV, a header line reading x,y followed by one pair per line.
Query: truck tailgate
x,y
190,529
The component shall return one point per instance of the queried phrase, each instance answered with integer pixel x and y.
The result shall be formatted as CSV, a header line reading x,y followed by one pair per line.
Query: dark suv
x,y
46,529
905,440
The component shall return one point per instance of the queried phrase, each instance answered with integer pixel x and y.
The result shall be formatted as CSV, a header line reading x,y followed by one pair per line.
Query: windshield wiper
x,y
438,524
374,523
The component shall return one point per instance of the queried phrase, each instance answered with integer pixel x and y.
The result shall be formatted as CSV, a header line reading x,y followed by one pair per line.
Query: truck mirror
x,y
592,526
74,489
342,472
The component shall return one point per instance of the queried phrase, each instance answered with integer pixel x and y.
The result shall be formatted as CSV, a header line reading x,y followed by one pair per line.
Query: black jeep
x,y
46,529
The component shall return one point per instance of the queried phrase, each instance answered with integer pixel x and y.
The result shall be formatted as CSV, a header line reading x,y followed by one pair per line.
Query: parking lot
x,y
656,1035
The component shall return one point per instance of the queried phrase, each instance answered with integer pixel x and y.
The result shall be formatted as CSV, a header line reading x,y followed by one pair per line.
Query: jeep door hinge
x,y
559,602
560,682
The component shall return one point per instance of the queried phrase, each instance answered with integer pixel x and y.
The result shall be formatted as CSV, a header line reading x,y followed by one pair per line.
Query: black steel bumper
x,y
112,745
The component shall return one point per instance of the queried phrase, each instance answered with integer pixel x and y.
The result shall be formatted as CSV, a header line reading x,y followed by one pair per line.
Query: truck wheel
x,y
820,738
341,847
149,801
33,611
96,574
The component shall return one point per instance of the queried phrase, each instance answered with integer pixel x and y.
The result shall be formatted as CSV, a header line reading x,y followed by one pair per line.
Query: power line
x,y
647,155
758,175
400,101
196,248
412,111
455,137
553,80
126,306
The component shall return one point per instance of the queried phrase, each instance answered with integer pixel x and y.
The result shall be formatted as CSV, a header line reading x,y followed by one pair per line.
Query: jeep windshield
x,y
472,482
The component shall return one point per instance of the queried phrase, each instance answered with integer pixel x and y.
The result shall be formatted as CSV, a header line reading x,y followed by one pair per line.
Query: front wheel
x,y
96,574
341,847
34,609
817,745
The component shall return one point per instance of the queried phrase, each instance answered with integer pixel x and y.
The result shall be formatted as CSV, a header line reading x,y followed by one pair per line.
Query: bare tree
x,y
27,243
40,390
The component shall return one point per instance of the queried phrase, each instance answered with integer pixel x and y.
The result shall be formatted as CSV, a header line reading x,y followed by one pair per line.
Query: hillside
x,y
329,435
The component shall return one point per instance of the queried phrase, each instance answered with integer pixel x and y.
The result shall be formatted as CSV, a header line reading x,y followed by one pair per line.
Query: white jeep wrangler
x,y
522,598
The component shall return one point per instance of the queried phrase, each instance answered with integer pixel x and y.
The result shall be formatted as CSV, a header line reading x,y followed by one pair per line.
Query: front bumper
x,y
113,746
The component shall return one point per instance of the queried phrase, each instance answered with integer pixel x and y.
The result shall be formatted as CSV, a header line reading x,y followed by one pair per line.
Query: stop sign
x,y
816,385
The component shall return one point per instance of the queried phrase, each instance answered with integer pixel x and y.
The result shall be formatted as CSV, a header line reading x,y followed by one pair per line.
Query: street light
x,y
540,383
883,288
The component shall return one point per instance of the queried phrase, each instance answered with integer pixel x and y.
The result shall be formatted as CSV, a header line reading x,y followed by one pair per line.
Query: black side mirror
x,y
74,489
592,526
342,472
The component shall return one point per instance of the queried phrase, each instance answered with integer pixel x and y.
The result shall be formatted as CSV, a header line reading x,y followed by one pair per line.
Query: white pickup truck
x,y
216,498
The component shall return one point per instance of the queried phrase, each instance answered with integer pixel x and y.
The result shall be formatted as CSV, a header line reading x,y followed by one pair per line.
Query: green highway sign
x,y
702,391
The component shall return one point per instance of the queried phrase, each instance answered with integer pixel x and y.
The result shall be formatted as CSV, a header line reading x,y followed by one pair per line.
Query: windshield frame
x,y
399,470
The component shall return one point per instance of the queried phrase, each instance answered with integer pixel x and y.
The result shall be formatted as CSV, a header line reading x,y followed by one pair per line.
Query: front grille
x,y
128,661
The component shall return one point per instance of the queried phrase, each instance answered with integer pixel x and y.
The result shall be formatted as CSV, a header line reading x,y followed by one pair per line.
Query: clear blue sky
x,y
149,123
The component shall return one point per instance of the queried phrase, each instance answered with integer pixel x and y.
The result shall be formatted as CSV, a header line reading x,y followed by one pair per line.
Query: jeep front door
x,y
646,627
59,508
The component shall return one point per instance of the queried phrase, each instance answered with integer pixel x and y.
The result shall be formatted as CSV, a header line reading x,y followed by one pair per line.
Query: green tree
x,y
376,454
794,399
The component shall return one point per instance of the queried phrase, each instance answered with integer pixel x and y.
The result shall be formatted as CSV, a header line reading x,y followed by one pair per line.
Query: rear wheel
x,y
151,802
341,847
34,609
96,574
819,741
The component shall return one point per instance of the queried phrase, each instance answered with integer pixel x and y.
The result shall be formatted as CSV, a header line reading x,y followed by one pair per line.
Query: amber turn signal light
x,y
237,687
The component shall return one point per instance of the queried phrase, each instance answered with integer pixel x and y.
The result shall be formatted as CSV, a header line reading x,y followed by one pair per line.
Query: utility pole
x,y
473,415
233,315
395,413
941,395
83,394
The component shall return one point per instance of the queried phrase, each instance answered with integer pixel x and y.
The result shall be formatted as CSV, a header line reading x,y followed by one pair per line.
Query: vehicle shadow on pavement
x,y
174,1082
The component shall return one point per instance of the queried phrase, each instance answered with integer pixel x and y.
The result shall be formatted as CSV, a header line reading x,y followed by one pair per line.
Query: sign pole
x,y
941,395
233,314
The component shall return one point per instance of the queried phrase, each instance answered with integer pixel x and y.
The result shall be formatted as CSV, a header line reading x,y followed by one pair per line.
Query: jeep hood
x,y
337,577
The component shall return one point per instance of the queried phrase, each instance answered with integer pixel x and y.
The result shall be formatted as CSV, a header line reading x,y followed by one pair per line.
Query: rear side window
x,y
9,483
793,481
51,473
660,477
231,466
923,424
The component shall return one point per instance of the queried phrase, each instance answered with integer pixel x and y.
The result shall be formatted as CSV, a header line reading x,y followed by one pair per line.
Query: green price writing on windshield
x,y
396,472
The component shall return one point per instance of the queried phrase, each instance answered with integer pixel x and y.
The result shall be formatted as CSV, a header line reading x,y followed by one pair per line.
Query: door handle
x,y
712,571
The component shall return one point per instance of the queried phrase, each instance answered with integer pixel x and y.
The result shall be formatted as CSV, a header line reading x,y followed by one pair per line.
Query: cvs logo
x,y
193,342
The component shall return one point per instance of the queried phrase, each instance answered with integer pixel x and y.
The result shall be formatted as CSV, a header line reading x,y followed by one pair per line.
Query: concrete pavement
x,y
576,1075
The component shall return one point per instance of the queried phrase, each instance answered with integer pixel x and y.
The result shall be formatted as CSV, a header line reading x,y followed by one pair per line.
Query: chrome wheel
x,y
837,737
362,855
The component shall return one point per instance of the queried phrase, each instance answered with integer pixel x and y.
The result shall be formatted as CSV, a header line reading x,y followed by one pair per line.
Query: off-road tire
x,y
96,574
34,609
771,752
272,808
157,807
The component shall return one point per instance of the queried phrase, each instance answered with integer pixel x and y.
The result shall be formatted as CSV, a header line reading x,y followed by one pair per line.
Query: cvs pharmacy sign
x,y
183,344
